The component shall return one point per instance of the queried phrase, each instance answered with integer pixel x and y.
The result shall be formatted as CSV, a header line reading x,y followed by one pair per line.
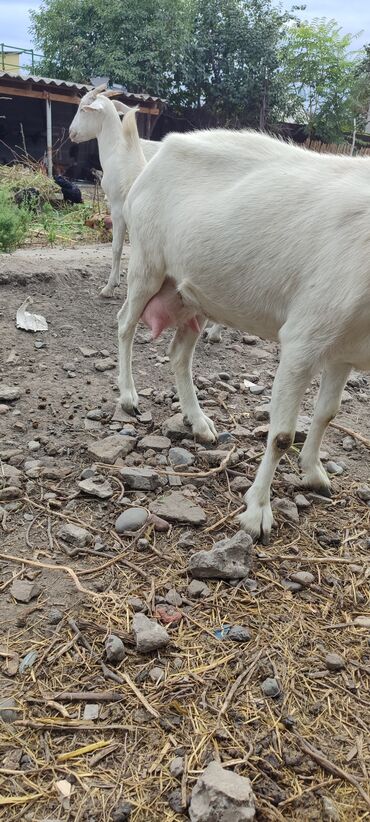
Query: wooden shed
x,y
35,114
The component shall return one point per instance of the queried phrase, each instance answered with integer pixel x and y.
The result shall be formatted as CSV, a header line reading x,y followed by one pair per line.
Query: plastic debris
x,y
30,322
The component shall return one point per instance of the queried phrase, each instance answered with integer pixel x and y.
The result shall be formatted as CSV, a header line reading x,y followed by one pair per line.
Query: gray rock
x,y
225,436
270,687
4,408
140,479
228,559
88,352
329,810
239,634
364,493
240,484
302,502
175,428
198,589
131,520
348,443
122,813
108,450
94,414
74,534
215,456
176,766
149,635
156,674
173,598
96,488
304,578
220,795
294,587
8,712
334,662
334,468
362,621
104,364
154,441
33,445
262,412
287,508
24,591
9,393
180,456
55,616
114,649
136,604
91,712
175,507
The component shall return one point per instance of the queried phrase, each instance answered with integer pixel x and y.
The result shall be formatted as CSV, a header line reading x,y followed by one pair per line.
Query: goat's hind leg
x,y
292,378
181,356
333,380
213,333
142,285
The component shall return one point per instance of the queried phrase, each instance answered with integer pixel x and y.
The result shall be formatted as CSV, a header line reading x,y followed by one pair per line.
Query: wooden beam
x,y
41,95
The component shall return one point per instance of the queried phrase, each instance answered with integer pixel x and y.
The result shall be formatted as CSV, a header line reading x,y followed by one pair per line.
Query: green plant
x,y
14,222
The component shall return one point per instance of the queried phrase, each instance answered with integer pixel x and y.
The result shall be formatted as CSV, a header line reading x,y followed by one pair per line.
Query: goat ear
x,y
95,105
121,107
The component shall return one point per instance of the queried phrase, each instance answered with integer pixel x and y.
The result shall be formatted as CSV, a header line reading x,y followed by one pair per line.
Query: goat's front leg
x,y
141,287
333,380
213,334
292,378
181,356
119,231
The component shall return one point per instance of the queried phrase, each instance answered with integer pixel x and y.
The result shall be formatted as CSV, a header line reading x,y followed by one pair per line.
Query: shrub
x,y
13,222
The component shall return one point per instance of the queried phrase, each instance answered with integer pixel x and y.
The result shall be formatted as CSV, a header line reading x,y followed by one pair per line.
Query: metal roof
x,y
62,84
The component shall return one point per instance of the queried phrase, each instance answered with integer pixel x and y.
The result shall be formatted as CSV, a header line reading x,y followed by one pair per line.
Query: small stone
x,y
95,488
270,687
348,443
122,813
362,621
364,493
9,393
88,352
4,408
239,634
214,456
287,508
87,473
33,445
175,802
175,507
10,492
228,559
220,795
176,766
94,414
149,635
104,364
262,412
225,436
131,520
160,524
156,675
329,810
91,712
114,649
175,428
334,662
302,502
180,456
334,468
136,604
240,484
198,589
55,616
304,578
109,449
140,479
156,442
8,712
294,587
74,534
24,591
173,598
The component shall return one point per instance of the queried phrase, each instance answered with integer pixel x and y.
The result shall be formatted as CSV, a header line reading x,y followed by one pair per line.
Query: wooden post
x,y
49,138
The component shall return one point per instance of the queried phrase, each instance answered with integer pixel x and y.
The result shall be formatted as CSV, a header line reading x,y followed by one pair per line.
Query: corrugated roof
x,y
50,81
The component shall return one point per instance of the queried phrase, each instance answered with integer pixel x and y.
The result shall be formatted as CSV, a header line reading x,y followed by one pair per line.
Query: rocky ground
x,y
142,636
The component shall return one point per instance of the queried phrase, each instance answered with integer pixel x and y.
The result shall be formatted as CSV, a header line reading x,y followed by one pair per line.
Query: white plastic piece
x,y
28,321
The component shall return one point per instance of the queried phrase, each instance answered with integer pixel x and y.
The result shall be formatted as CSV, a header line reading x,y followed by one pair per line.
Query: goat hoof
x,y
107,293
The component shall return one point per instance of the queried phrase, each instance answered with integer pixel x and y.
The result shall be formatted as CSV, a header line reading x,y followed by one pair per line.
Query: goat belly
x,y
166,310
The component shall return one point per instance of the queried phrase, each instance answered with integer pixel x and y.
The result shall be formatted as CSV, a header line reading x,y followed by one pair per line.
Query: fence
x,y
336,148
12,58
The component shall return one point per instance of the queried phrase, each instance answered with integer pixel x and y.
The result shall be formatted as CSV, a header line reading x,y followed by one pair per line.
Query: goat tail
x,y
131,135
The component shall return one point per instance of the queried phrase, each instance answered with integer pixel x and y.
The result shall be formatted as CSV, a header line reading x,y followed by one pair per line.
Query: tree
x,y
231,63
135,42
320,70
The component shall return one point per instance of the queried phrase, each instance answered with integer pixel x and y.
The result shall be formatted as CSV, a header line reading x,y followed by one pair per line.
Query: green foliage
x,y
320,71
14,222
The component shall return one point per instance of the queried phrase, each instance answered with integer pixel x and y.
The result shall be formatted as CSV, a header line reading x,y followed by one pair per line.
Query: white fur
x,y
271,239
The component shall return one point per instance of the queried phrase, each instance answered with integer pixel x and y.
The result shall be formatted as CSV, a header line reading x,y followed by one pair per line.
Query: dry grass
x,y
310,741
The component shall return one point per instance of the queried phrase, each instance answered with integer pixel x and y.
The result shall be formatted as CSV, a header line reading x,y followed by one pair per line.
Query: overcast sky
x,y
352,15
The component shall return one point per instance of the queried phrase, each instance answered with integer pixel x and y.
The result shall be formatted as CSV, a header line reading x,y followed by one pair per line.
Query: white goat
x,y
273,240
97,116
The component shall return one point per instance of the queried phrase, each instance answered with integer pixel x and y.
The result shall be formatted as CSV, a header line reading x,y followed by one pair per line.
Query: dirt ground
x,y
306,750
